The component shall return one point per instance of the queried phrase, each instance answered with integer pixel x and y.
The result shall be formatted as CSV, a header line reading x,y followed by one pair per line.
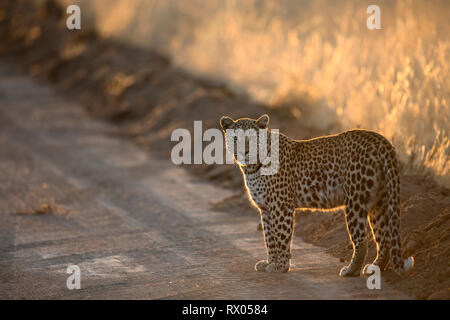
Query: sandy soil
x,y
147,98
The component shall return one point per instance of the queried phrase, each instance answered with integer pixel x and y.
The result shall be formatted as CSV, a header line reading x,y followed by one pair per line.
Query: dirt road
x,y
138,228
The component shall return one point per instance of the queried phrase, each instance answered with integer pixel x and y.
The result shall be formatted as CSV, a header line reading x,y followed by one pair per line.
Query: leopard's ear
x,y
263,121
226,122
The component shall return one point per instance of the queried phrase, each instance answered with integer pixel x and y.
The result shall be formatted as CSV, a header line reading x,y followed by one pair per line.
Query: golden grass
x,y
319,58
395,80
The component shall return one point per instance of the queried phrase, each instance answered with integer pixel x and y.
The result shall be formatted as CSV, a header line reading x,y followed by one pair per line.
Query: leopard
x,y
356,170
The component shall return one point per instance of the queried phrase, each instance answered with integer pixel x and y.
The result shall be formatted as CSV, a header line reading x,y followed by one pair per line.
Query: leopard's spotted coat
x,y
357,169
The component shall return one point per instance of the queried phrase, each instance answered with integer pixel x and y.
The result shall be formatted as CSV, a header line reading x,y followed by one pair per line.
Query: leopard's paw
x,y
277,268
261,265
349,271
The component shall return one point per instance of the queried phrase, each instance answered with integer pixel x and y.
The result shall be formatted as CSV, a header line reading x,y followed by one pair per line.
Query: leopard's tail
x,y
391,172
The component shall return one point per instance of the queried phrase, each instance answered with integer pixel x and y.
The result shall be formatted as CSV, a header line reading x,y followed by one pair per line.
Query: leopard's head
x,y
243,136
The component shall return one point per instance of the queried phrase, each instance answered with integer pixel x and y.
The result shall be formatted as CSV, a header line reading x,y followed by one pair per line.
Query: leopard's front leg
x,y
278,227
284,231
270,241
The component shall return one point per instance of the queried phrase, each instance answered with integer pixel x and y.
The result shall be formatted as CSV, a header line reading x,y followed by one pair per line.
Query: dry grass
x,y
337,73
319,59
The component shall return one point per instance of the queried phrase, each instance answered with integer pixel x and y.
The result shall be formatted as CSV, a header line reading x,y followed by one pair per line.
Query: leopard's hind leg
x,y
356,217
379,224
